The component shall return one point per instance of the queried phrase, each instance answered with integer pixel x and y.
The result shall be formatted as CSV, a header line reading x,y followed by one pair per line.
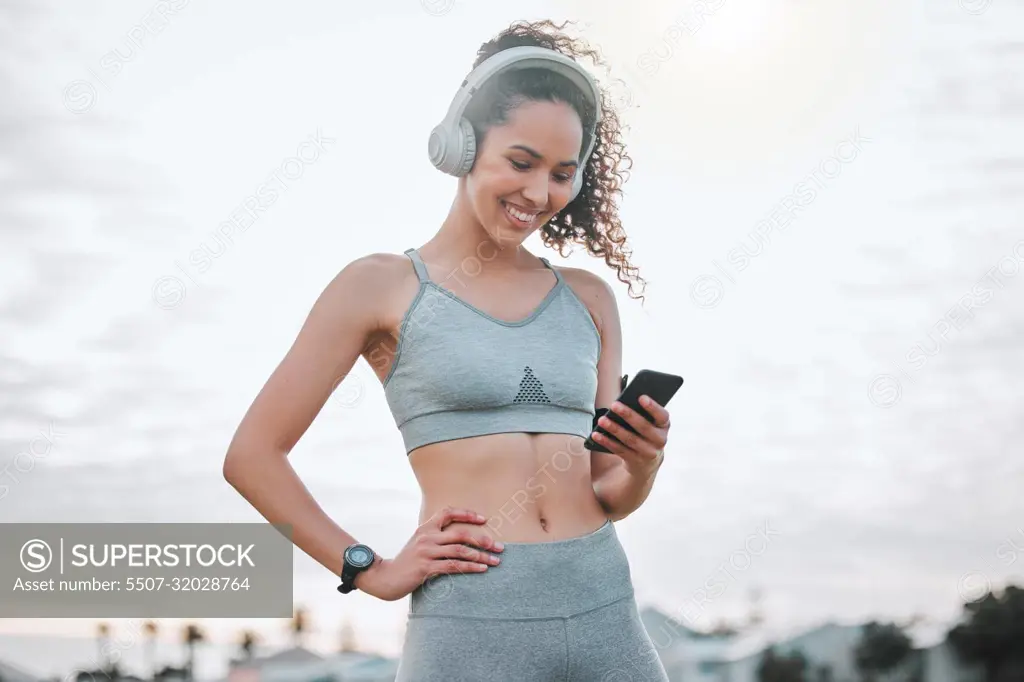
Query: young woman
x,y
492,362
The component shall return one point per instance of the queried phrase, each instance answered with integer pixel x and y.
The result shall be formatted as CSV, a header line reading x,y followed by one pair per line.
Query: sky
x,y
852,389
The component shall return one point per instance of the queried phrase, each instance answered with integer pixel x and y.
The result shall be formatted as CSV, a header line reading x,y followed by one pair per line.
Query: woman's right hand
x,y
431,551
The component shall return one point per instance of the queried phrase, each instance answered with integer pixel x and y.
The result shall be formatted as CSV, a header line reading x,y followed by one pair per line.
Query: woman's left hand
x,y
642,452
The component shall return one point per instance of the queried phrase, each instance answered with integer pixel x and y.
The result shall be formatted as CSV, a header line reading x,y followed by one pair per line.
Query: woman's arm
x,y
620,489
328,345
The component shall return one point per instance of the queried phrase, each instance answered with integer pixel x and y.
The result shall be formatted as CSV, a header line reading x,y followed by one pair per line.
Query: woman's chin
x,y
505,231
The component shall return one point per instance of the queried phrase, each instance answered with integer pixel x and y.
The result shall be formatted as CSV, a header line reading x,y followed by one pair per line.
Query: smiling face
x,y
524,169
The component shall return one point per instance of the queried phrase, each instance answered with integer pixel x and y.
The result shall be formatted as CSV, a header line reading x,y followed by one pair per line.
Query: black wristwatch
x,y
358,558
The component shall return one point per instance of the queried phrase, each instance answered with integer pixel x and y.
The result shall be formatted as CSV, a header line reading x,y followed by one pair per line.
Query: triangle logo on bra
x,y
530,389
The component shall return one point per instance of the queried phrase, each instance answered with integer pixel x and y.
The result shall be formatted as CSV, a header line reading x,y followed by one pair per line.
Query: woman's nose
x,y
536,190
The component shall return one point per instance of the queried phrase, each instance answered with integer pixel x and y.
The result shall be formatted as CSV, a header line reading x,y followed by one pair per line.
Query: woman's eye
x,y
523,166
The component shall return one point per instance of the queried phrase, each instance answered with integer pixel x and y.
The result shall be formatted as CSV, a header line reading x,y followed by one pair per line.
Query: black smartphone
x,y
658,385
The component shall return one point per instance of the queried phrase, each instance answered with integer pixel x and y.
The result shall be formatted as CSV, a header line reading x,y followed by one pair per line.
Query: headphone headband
x,y
452,147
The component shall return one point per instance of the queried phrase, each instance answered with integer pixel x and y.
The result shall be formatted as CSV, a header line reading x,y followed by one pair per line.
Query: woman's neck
x,y
462,238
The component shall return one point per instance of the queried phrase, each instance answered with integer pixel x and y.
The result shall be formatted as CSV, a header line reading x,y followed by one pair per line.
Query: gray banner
x,y
146,570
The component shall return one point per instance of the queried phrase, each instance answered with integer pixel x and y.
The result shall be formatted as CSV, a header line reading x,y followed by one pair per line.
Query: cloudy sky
x,y
852,378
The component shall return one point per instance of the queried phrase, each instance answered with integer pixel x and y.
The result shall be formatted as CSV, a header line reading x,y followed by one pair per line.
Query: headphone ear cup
x,y
466,147
438,146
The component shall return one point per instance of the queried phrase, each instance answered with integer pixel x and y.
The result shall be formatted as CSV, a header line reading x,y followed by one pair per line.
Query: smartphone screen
x,y
658,385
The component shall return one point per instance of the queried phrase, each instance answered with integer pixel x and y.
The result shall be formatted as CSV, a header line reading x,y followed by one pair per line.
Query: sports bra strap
x,y
558,277
417,263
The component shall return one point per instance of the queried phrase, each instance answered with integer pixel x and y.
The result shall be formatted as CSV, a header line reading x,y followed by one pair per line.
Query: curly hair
x,y
591,219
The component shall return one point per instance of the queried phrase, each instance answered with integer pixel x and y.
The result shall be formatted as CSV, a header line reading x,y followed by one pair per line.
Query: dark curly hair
x,y
591,219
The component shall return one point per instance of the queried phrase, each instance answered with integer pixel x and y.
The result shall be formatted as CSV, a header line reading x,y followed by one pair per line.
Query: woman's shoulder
x,y
371,291
592,290
376,276
378,269
586,285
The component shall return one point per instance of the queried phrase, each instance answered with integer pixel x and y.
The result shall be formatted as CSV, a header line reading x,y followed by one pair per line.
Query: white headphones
x,y
452,146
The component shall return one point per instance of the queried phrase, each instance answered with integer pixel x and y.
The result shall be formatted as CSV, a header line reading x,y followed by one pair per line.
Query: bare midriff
x,y
531,487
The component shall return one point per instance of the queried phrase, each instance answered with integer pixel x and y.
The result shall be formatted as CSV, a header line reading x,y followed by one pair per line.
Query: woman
x,y
515,571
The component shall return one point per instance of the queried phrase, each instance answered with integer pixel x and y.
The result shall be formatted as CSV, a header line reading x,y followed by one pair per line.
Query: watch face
x,y
359,555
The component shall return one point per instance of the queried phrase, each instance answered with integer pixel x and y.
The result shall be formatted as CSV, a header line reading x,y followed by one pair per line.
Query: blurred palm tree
x,y
247,644
150,629
192,636
348,637
724,628
299,625
102,639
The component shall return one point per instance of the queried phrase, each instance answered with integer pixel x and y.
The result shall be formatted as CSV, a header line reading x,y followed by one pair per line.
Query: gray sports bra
x,y
459,373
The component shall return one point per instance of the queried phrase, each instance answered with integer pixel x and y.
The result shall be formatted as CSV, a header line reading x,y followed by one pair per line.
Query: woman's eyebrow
x,y
537,155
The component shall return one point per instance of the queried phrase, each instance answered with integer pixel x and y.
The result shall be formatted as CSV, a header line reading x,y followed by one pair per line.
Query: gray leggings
x,y
560,611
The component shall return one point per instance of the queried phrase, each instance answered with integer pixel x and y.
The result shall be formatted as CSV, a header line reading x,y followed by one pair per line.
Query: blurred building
x,y
686,653
275,666
828,649
11,673
354,667
297,664
830,653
